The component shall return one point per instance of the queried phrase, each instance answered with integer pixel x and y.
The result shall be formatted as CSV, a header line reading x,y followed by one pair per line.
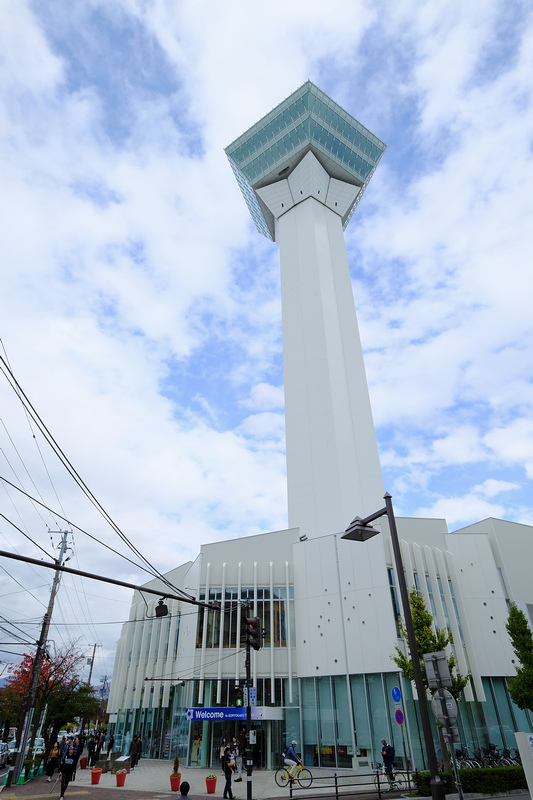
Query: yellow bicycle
x,y
302,775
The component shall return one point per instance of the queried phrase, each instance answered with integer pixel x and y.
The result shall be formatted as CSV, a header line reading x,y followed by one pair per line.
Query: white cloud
x,y
265,396
469,508
513,443
491,487
141,311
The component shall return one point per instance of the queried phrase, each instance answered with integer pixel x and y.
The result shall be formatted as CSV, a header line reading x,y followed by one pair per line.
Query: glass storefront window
x,y
309,723
326,726
343,739
363,738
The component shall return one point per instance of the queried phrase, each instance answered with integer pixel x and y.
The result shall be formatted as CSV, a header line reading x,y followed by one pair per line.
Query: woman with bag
x,y
53,761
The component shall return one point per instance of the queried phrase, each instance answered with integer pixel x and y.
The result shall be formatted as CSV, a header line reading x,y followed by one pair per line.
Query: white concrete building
x,y
325,674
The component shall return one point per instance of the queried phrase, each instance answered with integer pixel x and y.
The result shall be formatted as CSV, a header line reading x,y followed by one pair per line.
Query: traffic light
x,y
238,697
253,632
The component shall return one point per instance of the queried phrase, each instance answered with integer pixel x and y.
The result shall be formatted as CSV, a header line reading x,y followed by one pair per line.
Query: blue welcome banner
x,y
217,713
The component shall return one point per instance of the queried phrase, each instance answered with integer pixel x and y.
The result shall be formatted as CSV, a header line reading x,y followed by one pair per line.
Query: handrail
x,y
377,776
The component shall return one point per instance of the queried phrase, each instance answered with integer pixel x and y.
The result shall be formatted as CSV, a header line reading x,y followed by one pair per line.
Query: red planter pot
x,y
95,775
83,763
175,783
121,778
211,785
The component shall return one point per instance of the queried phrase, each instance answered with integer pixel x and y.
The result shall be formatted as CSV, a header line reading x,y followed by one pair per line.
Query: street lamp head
x,y
358,531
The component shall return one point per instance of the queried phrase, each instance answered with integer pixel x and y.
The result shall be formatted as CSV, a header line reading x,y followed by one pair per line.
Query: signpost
x,y
443,705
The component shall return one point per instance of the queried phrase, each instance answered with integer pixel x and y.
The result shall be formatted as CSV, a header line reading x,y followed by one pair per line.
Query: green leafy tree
x,y
521,684
69,701
428,640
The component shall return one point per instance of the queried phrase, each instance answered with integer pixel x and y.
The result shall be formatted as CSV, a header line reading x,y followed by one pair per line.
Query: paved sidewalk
x,y
150,781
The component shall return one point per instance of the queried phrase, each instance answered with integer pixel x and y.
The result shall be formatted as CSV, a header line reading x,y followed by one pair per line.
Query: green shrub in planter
x,y
493,780
26,765
421,781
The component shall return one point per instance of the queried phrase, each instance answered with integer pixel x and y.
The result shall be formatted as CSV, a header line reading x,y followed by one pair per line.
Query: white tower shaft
x,y
333,465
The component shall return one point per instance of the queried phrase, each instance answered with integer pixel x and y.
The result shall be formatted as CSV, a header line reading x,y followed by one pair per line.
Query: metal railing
x,y
376,782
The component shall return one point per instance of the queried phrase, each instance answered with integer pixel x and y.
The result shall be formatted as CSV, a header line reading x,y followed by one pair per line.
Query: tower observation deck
x,y
303,169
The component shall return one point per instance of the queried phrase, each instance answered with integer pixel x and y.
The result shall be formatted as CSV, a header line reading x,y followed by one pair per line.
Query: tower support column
x,y
332,455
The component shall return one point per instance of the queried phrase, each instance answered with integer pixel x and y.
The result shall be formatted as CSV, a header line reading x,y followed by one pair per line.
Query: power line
x,y
34,439
6,369
38,546
19,583
154,574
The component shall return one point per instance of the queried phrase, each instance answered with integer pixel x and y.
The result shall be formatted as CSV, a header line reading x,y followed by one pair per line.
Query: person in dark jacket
x,y
66,768
91,751
110,744
134,751
228,772
388,754
78,750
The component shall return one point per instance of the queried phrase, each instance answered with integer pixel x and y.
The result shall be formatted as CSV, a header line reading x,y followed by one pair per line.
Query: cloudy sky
x,y
139,307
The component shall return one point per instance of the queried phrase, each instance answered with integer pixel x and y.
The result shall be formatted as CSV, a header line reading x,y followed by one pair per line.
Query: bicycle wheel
x,y
305,778
282,776
400,781
381,782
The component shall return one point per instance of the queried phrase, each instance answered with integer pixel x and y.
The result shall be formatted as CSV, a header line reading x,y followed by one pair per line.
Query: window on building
x,y
158,624
131,642
167,635
149,637
432,602
141,631
275,602
504,588
176,637
456,611
443,600
395,604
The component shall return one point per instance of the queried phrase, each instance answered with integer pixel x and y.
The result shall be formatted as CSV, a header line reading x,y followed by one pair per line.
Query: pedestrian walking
x,y
66,769
135,746
110,744
236,750
91,751
222,753
53,761
228,772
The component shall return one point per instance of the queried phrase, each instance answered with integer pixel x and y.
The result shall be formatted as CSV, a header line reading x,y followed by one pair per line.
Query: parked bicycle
x,y
465,760
301,774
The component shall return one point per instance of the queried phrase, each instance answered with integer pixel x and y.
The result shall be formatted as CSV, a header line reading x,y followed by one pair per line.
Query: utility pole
x,y
89,682
24,729
92,664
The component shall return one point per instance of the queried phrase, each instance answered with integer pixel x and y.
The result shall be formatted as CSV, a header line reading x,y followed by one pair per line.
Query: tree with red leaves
x,y
59,689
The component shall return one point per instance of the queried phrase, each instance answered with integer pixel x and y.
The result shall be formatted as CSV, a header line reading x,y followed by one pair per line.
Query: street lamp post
x,y
360,530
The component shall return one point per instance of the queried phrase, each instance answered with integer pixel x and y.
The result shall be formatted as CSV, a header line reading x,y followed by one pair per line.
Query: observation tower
x,y
303,169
